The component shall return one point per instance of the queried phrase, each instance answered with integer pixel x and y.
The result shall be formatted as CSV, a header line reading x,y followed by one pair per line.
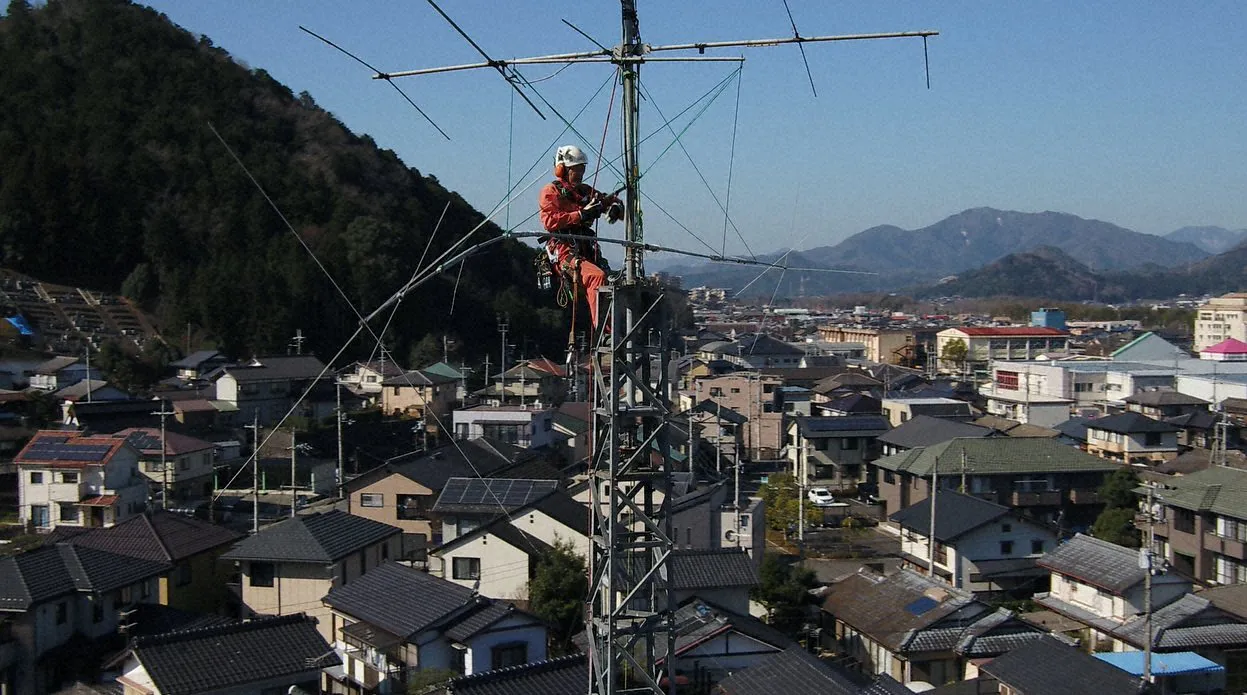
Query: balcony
x,y
1229,547
1084,495
1044,498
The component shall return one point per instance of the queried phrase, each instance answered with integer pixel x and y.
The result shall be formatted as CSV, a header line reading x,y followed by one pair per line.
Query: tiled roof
x,y
79,390
997,455
400,599
160,537
147,441
1217,489
1164,397
955,514
717,410
856,403
419,377
924,430
892,610
1096,562
1189,622
790,672
566,675
847,425
45,573
1194,420
193,360
570,423
698,620
1130,423
502,529
473,458
284,368
468,626
759,344
1231,598
324,537
1074,428
712,568
58,449
232,656
1032,669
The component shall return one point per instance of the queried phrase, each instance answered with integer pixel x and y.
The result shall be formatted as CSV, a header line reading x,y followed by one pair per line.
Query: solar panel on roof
x,y
921,605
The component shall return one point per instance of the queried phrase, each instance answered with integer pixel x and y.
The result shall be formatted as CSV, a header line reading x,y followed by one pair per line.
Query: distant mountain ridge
x,y
1211,239
964,241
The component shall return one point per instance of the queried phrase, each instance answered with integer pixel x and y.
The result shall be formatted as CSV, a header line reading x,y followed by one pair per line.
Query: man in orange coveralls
x,y
570,206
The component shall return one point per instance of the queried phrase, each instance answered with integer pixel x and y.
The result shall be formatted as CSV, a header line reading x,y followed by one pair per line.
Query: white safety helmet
x,y
570,156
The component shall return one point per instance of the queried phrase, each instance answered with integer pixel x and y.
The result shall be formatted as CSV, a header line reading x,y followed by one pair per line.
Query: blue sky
x,y
1130,112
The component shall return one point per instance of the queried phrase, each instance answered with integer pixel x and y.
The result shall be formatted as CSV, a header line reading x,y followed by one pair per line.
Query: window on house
x,y
184,574
69,477
371,499
716,391
363,563
97,610
511,654
466,568
735,390
385,551
1152,439
69,512
262,573
1006,528
36,477
1036,546
1006,547
849,443
39,515
904,416
62,613
1184,520
768,388
184,464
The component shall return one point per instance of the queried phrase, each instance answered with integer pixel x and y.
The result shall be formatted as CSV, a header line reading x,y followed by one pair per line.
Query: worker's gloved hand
x,y
615,212
591,211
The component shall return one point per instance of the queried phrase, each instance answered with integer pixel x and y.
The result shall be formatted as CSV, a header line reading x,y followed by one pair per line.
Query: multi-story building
x,y
268,388
984,344
754,396
1222,317
1048,480
834,450
420,394
530,428
68,479
1084,384
883,345
1201,524
1132,438
185,467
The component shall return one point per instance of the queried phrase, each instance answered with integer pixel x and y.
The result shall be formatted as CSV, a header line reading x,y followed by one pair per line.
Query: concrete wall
x,y
390,488
504,568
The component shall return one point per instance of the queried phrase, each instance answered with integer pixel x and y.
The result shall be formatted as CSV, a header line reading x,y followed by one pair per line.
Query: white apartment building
x,y
1222,317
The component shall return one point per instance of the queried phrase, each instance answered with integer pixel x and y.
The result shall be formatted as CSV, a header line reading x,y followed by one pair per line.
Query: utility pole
x,y
297,341
341,458
504,325
294,494
164,464
89,372
1146,560
935,461
255,472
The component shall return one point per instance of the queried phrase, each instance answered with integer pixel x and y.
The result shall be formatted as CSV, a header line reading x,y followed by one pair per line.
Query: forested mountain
x,y
111,179
961,242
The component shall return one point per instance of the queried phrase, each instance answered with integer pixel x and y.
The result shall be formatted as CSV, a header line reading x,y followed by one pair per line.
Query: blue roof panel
x,y
1167,664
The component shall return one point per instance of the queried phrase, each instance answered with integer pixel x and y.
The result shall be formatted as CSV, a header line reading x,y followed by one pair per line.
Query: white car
x,y
820,497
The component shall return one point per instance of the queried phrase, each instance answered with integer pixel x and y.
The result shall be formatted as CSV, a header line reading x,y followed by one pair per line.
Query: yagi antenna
x,y
797,35
363,62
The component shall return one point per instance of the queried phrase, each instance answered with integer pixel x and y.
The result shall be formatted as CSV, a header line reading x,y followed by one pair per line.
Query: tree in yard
x,y
955,351
557,593
784,590
1116,523
779,494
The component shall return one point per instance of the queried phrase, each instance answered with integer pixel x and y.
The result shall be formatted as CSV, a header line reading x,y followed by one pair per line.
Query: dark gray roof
x,y
1190,622
400,599
896,609
1161,397
955,514
855,403
1045,667
845,426
490,495
564,509
159,537
472,459
924,430
566,675
1194,420
195,359
282,368
470,625
1096,562
1130,423
790,672
712,568
714,408
502,529
52,571
698,620
419,377
1075,428
324,537
231,656
759,344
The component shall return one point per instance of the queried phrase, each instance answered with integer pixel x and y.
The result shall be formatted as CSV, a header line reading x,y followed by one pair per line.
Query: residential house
x,y
466,504
181,463
268,388
62,605
1131,437
564,675
850,382
1220,318
925,430
1101,585
190,548
571,429
795,671
1050,667
1164,403
1001,343
855,404
537,383
720,427
722,576
498,557
1013,428
423,395
755,351
397,620
914,628
401,491
1202,524
884,345
367,377
288,567
531,428
753,396
1088,384
977,545
1051,482
834,451
1004,400
59,372
898,411
263,656
88,391
197,364
65,478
